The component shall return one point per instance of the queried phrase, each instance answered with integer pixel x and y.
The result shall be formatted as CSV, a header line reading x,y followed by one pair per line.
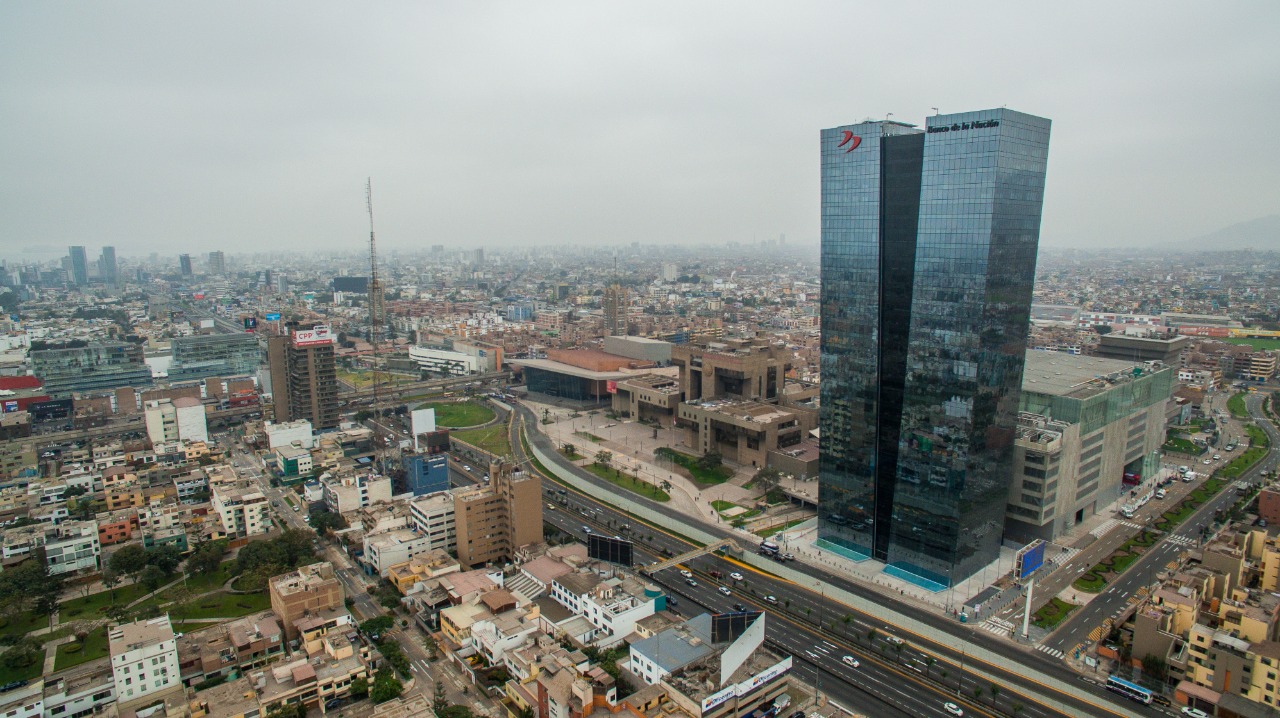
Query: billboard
x,y
611,386
436,442
312,337
729,626
422,421
607,548
1029,558
250,323
273,316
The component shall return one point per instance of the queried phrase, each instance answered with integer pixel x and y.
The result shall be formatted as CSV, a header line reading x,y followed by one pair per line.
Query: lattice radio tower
x,y
377,316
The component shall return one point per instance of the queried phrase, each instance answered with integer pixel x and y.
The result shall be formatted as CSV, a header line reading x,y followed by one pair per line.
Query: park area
x,y
492,439
460,414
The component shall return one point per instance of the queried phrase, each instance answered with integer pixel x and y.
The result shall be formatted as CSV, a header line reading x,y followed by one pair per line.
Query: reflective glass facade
x,y
929,244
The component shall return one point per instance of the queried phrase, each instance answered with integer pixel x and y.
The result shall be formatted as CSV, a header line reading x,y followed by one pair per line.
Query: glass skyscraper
x,y
929,241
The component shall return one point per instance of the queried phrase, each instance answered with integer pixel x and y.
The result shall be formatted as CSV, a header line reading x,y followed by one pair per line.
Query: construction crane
x,y
376,319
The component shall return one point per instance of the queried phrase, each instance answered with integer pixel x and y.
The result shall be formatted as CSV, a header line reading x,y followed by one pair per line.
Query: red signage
x,y
312,337
850,139
611,386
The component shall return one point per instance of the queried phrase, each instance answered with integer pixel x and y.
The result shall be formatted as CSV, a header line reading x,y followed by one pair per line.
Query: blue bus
x,y
1130,690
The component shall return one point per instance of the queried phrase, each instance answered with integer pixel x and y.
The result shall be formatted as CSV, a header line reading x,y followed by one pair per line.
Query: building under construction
x,y
304,379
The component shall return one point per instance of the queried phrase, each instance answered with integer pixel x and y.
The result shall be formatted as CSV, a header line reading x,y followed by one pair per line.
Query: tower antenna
x,y
376,319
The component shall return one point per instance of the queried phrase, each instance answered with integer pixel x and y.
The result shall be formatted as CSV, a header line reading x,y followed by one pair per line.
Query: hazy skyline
x,y
242,127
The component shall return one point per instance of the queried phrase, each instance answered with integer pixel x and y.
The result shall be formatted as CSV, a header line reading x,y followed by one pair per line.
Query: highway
x,y
1114,600
806,605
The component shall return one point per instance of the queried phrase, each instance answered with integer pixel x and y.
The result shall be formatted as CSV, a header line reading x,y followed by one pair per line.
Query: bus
x,y
1130,690
768,548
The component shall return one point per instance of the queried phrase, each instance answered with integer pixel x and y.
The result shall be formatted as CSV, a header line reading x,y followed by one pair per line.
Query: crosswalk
x,y
1181,540
998,626
1101,529
1051,651
1065,556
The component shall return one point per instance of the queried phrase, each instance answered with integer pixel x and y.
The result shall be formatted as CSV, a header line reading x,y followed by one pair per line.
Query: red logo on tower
x,y
850,139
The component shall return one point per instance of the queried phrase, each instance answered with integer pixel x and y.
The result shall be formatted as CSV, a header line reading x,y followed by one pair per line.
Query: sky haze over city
x,y
171,128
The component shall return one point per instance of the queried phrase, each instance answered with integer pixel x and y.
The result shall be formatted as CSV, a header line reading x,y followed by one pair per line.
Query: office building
x,y
1139,349
217,263
79,265
209,355
349,493
434,516
751,369
929,240
1089,430
184,265
425,473
144,661
304,381
93,368
107,267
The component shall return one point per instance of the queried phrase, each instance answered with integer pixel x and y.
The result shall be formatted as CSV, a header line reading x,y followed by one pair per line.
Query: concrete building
x,y
304,381
1142,349
316,680
24,701
293,460
214,355
732,368
291,433
242,507
612,604
639,348
652,397
743,431
434,518
426,473
1089,429
144,661
442,361
97,367
493,521
80,691
615,310
389,548
307,591
182,419
72,547
217,263
349,493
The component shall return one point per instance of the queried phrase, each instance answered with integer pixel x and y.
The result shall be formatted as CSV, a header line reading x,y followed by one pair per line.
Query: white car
x,y
735,576
686,573
466,468
1208,461
851,661
1194,712
724,590
953,709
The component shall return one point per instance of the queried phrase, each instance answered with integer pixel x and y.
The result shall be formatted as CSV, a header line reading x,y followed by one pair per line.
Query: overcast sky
x,y
184,127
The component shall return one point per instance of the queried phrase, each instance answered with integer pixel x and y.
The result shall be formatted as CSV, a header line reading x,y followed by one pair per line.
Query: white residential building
x,y
289,433
433,516
243,509
611,605
24,702
356,492
178,419
384,550
144,661
72,546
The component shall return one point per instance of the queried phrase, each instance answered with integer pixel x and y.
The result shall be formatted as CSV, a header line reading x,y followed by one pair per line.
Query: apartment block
x,y
144,661
493,521
304,592
242,507
348,493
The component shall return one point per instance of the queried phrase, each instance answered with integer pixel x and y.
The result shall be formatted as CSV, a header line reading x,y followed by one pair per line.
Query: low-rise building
x,y
348,493
144,661
305,591
386,549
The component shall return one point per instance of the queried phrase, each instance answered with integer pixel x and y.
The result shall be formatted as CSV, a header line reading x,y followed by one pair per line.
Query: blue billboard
x,y
1030,558
273,316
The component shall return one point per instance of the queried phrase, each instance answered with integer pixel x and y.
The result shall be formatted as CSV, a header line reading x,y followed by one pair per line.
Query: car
x,y
691,582
551,506
686,573
739,607
953,709
735,576
851,661
1194,712
714,574
725,590
1208,461
771,599
1217,457
466,468
1161,493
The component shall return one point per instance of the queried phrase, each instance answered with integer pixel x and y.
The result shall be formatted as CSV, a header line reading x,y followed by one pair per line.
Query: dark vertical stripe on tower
x,y
901,161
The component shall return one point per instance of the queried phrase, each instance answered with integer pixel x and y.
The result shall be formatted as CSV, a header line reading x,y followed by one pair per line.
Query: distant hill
x,y
1262,234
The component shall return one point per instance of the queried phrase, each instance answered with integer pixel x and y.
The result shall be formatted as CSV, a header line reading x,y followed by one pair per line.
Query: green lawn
x,y
491,438
22,624
629,482
704,476
588,436
1173,442
766,533
73,654
1262,344
460,414
719,505
1235,405
193,626
225,605
91,607
1052,613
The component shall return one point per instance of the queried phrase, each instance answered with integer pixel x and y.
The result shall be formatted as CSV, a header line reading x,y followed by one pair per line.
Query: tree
x,y
570,449
206,558
288,710
385,686
24,653
604,458
439,701
326,522
363,415
111,579
766,479
1154,666
456,712
359,688
710,461
377,626
152,577
129,560
995,693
